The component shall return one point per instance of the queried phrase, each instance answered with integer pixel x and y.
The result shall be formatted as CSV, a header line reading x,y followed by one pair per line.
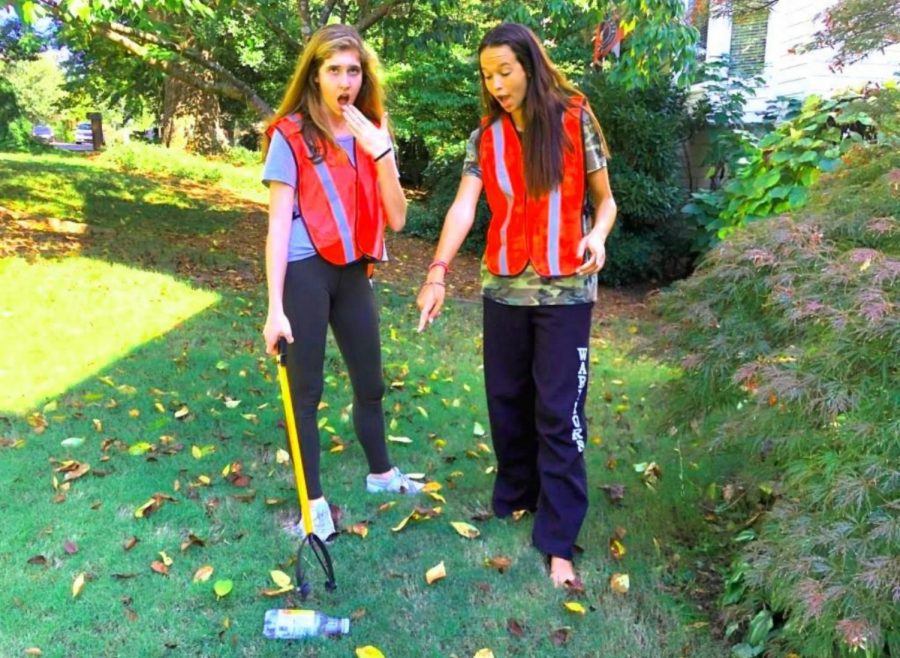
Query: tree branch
x,y
382,10
325,14
305,21
252,9
233,86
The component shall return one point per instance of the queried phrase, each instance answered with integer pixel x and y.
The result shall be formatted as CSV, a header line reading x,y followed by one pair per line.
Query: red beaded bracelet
x,y
439,263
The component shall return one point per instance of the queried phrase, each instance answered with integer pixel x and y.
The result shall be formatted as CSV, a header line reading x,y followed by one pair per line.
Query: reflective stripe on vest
x,y
334,201
506,189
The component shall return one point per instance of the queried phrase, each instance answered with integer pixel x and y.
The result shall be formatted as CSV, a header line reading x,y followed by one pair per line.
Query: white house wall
x,y
793,22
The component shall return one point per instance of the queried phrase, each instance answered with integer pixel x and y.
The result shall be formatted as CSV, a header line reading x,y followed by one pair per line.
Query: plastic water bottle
x,y
291,624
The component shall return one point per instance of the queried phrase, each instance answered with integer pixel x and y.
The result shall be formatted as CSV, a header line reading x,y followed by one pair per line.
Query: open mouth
x,y
344,99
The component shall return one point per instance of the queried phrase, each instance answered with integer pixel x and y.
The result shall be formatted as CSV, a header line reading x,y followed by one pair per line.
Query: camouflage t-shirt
x,y
530,288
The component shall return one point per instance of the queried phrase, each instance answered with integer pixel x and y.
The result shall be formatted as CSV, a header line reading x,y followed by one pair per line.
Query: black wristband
x,y
389,149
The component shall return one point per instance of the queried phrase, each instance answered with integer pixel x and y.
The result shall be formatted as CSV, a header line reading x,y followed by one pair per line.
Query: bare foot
x,y
561,571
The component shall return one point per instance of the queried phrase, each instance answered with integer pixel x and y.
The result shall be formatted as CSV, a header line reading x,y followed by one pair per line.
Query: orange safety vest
x,y
546,230
340,204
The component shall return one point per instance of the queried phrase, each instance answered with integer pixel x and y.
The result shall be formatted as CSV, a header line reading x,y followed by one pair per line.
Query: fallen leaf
x,y
384,507
203,574
399,439
514,628
615,493
231,403
72,442
282,456
466,530
575,606
33,651
78,585
616,549
518,514
130,543
477,429
619,582
124,576
38,559
192,540
77,472
182,412
436,496
70,548
140,448
499,563
281,579
159,568
431,487
484,653
560,636
620,533
360,529
368,651
223,588
435,573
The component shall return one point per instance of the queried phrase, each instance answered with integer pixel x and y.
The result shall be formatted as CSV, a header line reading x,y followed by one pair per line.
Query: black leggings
x,y
318,294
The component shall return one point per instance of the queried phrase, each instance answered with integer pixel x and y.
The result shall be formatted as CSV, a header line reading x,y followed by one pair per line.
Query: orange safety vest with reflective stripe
x,y
546,230
340,204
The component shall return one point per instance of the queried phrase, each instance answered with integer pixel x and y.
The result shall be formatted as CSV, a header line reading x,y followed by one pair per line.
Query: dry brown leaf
x,y
130,543
514,628
360,529
619,582
203,574
159,568
499,562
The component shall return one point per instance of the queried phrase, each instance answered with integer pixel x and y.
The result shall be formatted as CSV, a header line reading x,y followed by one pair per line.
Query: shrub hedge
x,y
790,328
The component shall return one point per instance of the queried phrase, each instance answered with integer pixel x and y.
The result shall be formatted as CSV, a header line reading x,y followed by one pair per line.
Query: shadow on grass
x,y
164,224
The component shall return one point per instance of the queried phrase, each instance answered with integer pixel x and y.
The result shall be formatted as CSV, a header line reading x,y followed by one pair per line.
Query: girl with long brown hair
x,y
333,187
538,155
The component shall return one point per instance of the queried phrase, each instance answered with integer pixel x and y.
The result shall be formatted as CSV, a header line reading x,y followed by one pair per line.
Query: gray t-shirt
x,y
280,167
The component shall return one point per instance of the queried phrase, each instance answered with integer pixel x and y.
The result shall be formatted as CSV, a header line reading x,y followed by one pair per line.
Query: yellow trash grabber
x,y
316,544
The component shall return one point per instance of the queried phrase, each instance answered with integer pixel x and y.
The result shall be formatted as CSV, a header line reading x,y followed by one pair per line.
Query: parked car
x,y
42,133
83,133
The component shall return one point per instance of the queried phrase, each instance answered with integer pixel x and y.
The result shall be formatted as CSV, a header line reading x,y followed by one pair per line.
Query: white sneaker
x,y
322,523
398,483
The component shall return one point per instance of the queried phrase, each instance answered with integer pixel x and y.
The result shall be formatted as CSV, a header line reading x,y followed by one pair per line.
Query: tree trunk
x,y
191,119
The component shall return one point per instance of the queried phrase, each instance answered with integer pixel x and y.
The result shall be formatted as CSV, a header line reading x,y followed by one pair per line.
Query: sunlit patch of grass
x,y
61,321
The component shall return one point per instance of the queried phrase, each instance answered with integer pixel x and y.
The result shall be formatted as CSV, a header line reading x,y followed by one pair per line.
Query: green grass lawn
x,y
152,367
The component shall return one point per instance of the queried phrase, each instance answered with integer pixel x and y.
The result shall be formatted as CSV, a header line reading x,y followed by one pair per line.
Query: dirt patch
x,y
30,237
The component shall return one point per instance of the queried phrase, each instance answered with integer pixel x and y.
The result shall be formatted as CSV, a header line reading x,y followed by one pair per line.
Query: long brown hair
x,y
547,96
303,94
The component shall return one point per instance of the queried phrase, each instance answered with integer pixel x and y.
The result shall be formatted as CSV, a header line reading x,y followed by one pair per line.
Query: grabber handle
x,y
293,438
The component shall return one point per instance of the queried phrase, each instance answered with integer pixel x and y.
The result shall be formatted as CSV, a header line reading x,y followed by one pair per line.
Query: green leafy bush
x,y
775,176
789,329
644,129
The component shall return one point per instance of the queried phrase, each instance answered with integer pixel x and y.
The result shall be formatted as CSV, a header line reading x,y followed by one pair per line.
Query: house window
x,y
748,42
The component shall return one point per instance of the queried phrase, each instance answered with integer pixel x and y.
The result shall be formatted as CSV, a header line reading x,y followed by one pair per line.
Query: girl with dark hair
x,y
539,154
333,185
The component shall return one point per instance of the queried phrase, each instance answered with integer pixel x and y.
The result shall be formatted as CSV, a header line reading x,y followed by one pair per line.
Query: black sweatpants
x,y
318,294
536,376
